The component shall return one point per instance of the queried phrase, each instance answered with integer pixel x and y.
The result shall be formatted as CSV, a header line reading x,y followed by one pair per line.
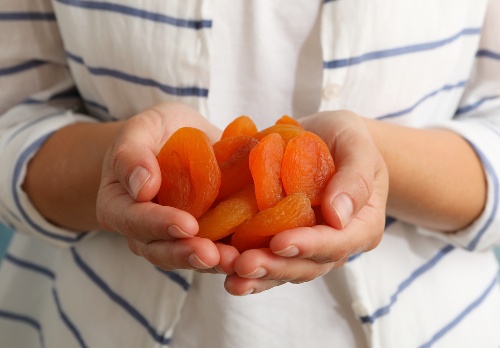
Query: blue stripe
x,y
407,282
31,16
99,282
96,105
488,167
71,93
327,1
30,124
470,107
31,266
130,11
71,327
51,275
25,320
21,67
462,315
398,51
177,91
17,170
424,98
488,54
388,221
176,278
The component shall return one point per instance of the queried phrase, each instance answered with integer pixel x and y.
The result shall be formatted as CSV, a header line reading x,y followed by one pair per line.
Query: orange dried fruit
x,y
232,156
242,125
287,131
222,220
265,165
307,166
190,174
293,211
285,119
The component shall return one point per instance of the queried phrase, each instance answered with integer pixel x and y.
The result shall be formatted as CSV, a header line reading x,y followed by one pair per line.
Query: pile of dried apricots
x,y
249,185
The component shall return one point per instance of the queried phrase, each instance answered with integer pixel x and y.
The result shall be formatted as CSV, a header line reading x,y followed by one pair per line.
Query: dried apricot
x,y
265,165
232,156
242,125
222,220
287,131
307,166
293,211
190,174
285,119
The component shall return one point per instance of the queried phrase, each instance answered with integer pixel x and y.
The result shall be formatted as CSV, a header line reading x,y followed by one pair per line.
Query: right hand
x,y
131,178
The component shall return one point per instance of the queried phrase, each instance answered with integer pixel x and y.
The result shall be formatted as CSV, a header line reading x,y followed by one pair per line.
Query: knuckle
x,y
363,186
309,276
126,227
118,154
102,215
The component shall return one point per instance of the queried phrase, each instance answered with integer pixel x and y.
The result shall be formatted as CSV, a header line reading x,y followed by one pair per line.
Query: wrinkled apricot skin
x,y
285,119
242,125
190,174
250,185
307,166
287,131
232,156
293,211
265,165
222,220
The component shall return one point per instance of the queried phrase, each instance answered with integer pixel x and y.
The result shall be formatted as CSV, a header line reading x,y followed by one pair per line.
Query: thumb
x,y
357,161
132,161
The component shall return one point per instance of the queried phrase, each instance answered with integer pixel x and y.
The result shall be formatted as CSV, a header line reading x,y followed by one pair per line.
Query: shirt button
x,y
331,91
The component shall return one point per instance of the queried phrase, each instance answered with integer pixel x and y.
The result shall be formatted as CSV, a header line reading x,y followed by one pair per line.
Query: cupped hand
x,y
353,207
131,178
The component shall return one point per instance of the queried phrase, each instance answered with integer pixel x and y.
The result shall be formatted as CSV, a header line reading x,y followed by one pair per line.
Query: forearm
x,y
63,178
435,178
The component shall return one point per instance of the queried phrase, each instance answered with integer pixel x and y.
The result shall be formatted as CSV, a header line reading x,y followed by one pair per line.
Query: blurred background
x,y
6,234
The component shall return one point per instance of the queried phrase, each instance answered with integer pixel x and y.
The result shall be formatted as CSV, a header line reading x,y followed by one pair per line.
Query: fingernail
x,y
195,261
137,179
290,251
343,207
176,232
248,292
259,272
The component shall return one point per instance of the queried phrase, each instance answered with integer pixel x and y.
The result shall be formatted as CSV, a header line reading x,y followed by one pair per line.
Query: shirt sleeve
x,y
38,97
478,121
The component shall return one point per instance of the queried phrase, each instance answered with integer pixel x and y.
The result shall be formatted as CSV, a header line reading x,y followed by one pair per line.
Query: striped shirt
x,y
421,63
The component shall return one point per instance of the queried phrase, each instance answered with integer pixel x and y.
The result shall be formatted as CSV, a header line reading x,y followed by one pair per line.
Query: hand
x,y
131,178
353,205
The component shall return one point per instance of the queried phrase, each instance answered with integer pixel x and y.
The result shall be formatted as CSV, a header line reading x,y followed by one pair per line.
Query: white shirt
x,y
418,288
244,78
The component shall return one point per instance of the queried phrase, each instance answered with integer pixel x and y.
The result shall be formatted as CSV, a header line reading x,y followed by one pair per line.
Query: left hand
x,y
353,205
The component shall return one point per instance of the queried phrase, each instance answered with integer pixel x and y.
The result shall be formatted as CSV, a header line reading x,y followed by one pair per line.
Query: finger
x,y
228,255
238,286
191,253
264,264
324,244
146,222
131,160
